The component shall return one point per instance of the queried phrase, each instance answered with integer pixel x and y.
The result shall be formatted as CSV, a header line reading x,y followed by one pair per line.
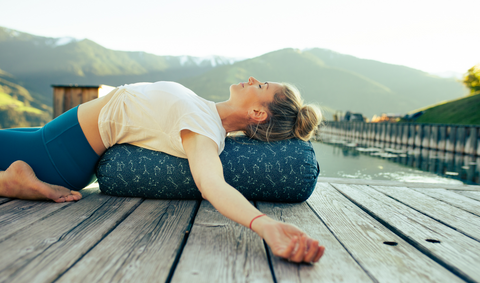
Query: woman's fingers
x,y
321,250
289,250
299,254
312,251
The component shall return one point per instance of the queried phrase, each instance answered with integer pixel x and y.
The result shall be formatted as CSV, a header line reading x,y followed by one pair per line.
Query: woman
x,y
165,116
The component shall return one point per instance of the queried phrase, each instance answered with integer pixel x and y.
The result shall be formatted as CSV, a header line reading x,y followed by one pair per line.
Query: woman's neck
x,y
232,118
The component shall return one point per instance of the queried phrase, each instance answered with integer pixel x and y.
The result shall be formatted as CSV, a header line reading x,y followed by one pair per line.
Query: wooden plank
x,y
17,214
453,198
472,195
89,94
76,96
142,248
58,100
459,186
445,213
385,256
46,248
67,100
220,250
336,265
457,252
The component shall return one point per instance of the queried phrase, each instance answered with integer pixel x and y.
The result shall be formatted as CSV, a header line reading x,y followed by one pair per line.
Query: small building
x,y
65,97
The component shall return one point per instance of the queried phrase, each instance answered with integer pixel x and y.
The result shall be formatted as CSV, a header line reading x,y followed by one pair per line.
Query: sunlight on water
x,y
338,162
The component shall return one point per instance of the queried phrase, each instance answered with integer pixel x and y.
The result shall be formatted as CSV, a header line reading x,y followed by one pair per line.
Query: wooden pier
x,y
456,139
373,231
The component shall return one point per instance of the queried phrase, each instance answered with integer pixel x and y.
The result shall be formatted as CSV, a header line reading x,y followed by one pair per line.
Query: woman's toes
x,y
76,195
60,199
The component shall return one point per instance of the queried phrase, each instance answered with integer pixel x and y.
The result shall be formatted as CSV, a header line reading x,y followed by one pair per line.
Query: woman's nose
x,y
251,80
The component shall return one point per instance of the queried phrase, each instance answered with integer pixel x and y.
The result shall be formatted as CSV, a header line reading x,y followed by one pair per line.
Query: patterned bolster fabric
x,y
283,171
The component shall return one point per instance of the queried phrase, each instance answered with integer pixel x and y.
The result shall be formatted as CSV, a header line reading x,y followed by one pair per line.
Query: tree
x,y
472,79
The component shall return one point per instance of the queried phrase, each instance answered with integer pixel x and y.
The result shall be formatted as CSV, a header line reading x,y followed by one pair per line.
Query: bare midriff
x,y
88,118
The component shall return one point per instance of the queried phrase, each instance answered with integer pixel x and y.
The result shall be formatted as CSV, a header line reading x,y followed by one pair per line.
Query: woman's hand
x,y
285,240
288,241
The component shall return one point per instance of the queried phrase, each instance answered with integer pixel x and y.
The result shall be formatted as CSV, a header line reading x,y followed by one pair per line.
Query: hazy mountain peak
x,y
11,32
212,60
64,40
449,74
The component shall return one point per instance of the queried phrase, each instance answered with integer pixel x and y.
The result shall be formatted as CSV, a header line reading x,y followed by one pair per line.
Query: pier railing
x,y
457,139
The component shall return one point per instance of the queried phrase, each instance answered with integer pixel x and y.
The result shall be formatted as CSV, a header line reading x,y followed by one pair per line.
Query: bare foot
x,y
19,181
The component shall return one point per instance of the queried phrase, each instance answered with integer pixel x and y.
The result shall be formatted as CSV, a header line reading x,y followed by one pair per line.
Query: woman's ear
x,y
258,115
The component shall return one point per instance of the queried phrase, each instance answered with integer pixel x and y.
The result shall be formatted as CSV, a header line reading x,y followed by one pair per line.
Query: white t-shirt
x,y
151,115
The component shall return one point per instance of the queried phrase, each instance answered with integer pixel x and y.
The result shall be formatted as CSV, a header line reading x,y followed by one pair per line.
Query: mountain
x,y
332,88
336,81
18,108
420,88
40,62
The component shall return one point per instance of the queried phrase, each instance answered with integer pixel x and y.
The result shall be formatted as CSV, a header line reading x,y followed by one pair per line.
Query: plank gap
x,y
183,244
270,263
346,249
5,200
419,247
132,209
269,257
427,215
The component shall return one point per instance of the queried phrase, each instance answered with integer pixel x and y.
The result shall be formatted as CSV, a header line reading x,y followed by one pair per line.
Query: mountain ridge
x,y
337,82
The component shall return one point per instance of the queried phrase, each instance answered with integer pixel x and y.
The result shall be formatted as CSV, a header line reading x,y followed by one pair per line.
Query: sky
x,y
434,36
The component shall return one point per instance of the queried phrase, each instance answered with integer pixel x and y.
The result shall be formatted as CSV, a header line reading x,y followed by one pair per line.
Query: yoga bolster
x,y
284,171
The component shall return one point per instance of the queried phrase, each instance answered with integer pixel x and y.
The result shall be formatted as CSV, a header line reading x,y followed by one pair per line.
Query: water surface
x,y
342,162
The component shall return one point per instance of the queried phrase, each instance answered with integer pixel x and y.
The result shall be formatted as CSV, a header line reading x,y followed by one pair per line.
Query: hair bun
x,y
308,119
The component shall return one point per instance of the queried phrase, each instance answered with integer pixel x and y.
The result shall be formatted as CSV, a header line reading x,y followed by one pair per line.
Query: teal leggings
x,y
58,153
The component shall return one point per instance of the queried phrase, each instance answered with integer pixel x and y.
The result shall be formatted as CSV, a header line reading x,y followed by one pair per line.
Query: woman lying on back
x,y
56,161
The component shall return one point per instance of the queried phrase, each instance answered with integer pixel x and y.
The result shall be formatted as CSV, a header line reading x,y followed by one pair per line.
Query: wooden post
x,y
411,135
426,136
365,129
371,131
478,146
405,130
460,140
399,134
471,141
65,97
383,131
388,129
451,135
477,168
442,138
418,135
433,143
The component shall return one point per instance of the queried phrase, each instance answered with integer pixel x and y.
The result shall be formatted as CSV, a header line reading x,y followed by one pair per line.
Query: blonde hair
x,y
288,118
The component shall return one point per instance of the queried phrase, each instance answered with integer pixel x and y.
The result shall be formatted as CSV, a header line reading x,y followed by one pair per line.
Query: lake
x,y
340,161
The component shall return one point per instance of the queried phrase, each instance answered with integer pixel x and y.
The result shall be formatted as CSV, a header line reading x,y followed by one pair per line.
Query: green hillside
x,y
463,111
17,107
419,87
335,81
40,62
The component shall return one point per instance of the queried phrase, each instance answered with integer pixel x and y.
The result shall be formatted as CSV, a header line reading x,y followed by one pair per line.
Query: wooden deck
x,y
373,231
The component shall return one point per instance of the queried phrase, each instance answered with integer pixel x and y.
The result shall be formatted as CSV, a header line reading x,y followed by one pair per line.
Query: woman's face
x,y
253,93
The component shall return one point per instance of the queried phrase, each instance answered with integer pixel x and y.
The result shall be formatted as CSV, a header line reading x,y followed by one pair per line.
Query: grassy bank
x,y
465,111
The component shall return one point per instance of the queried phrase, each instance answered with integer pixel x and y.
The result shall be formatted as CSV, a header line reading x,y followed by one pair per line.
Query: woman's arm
x,y
285,240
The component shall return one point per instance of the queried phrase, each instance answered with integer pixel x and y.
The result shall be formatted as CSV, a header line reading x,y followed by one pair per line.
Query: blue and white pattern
x,y
283,171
